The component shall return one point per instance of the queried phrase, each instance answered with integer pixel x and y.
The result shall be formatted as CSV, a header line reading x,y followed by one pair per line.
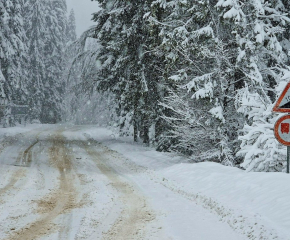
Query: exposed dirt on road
x,y
27,155
125,212
24,160
13,180
136,213
61,200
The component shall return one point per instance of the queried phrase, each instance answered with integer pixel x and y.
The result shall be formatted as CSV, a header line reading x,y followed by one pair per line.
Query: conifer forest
x,y
194,77
162,120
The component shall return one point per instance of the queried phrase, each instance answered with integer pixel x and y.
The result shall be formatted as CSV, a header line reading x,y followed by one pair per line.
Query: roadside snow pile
x,y
10,134
264,196
12,131
259,200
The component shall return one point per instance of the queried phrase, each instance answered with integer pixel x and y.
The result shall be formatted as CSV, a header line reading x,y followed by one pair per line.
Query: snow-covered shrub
x,y
259,148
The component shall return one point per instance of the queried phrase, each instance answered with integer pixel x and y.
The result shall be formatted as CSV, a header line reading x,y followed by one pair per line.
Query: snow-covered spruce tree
x,y
285,41
71,35
56,24
200,53
36,32
45,24
13,53
128,67
258,27
69,80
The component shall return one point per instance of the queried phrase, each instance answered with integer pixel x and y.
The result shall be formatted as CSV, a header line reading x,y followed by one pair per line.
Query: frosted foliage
x,y
205,31
13,54
46,25
110,4
217,112
195,82
198,57
80,105
2,80
71,28
260,149
258,25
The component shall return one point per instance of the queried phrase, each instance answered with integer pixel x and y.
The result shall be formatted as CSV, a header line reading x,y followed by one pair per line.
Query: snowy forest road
x,y
54,186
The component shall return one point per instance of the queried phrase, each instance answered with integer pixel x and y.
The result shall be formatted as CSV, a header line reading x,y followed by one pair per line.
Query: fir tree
x,y
13,53
69,80
54,49
258,28
71,28
200,68
129,67
45,23
36,32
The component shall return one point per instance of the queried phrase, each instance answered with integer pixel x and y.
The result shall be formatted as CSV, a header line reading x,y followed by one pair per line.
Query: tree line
x,y
33,37
195,77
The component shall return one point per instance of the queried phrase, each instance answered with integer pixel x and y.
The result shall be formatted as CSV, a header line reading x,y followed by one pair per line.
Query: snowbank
x,y
12,131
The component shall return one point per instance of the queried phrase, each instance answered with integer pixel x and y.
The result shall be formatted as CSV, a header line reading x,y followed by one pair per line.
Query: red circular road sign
x,y
282,130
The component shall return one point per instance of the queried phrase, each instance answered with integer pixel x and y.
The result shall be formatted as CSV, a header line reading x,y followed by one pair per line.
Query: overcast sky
x,y
83,12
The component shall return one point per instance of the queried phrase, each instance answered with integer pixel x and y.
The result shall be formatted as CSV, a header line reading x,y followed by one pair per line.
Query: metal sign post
x,y
282,126
288,155
282,134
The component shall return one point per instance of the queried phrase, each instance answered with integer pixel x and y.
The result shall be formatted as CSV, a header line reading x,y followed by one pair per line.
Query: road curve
x,y
53,192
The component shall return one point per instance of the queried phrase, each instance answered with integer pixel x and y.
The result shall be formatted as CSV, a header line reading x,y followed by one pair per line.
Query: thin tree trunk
x,y
146,133
135,131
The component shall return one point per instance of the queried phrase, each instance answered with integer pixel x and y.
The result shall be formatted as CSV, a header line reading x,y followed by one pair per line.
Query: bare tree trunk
x,y
135,131
146,133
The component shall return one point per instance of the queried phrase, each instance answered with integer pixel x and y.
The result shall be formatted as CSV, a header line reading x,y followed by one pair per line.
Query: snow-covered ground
x,y
84,182
254,204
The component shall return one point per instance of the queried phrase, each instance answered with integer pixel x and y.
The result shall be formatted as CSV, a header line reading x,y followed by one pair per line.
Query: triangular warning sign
x,y
283,102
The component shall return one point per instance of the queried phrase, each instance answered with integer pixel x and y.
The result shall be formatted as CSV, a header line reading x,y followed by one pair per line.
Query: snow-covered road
x,y
56,186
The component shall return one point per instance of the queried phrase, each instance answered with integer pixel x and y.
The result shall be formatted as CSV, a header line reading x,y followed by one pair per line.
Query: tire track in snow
x,y
20,173
27,155
249,226
60,201
10,140
13,180
135,214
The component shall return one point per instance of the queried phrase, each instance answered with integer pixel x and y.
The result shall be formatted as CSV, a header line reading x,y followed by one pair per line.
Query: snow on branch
x,y
208,87
217,112
205,31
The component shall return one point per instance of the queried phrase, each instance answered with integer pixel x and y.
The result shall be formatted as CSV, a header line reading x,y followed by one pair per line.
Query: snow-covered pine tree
x,y
13,53
56,24
45,25
200,58
69,75
128,67
36,32
258,26
285,41
71,28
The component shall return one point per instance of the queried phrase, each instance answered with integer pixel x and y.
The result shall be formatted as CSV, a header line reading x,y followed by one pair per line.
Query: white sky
x,y
83,12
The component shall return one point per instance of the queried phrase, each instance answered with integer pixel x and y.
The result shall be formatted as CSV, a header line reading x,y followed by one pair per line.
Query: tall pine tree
x,y
71,28
13,55
56,24
36,32
45,24
129,67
